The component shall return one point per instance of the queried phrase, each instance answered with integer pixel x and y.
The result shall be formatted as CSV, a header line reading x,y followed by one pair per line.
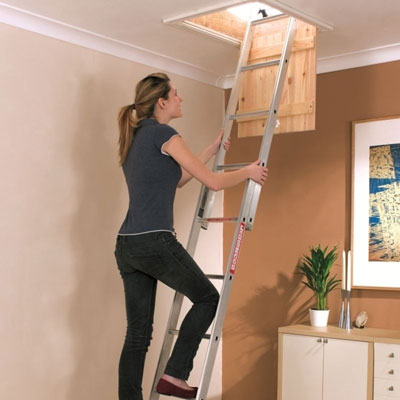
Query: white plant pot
x,y
319,318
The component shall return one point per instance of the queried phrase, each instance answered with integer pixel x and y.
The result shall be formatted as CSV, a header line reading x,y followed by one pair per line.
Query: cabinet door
x,y
302,361
345,370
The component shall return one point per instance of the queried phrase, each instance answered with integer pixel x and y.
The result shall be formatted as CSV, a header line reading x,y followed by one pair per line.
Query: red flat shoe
x,y
169,389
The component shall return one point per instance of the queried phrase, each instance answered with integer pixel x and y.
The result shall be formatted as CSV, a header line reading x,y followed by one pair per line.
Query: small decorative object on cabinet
x,y
331,363
361,320
316,268
345,312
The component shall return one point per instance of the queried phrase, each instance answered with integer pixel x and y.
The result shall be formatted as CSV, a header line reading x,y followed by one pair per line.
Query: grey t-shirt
x,y
152,177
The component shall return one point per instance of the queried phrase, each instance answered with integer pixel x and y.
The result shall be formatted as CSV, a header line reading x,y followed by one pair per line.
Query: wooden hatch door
x,y
297,107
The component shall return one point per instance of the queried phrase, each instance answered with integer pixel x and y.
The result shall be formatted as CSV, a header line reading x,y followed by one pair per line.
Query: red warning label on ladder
x,y
239,240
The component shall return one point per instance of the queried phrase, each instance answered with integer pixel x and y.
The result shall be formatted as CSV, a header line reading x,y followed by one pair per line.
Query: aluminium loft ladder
x,y
247,212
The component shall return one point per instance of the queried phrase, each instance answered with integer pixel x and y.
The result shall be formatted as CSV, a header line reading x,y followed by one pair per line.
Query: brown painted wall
x,y
306,201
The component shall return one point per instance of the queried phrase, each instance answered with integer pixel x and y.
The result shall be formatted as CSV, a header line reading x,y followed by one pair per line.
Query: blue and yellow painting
x,y
384,203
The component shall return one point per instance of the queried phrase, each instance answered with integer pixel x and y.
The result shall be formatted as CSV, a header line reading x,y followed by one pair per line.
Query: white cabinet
x,y
334,364
302,360
345,370
321,368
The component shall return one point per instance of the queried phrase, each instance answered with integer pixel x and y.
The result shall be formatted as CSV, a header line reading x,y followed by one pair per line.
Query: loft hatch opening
x,y
229,23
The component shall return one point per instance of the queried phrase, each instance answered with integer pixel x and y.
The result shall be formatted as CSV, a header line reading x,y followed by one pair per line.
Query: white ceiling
x,y
358,27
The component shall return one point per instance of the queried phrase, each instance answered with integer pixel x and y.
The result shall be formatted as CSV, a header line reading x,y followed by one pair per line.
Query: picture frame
x,y
375,241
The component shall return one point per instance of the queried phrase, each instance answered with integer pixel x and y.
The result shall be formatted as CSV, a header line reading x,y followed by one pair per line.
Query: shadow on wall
x,y
96,318
268,309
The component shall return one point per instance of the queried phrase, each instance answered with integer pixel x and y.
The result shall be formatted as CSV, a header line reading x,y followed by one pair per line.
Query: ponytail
x,y
148,91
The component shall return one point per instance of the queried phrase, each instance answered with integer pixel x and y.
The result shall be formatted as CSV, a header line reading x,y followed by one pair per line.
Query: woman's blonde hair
x,y
148,91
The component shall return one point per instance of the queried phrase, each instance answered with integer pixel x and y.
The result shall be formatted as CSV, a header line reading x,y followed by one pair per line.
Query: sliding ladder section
x,y
207,197
253,189
244,221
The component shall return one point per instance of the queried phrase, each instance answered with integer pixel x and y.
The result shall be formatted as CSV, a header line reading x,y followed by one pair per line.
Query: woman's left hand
x,y
217,142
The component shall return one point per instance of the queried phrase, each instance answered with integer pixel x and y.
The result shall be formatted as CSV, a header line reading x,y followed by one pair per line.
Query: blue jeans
x,y
142,260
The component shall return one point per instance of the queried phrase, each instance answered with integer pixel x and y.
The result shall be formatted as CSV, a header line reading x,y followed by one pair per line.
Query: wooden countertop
x,y
364,335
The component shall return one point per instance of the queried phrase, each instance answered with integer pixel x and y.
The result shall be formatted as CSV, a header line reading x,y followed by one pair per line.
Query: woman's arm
x,y
177,149
204,157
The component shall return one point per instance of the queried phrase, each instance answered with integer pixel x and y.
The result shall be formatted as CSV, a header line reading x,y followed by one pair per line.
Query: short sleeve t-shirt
x,y
152,177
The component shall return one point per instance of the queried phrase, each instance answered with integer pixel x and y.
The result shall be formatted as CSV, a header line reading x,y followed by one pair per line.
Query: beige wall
x,y
63,199
306,201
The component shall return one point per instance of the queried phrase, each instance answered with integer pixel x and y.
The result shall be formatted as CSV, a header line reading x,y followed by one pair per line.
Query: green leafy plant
x,y
316,268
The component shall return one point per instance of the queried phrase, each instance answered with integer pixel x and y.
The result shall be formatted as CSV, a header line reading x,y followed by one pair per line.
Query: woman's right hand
x,y
215,181
257,173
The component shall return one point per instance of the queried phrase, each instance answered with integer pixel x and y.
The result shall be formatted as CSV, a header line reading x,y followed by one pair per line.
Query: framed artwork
x,y
376,204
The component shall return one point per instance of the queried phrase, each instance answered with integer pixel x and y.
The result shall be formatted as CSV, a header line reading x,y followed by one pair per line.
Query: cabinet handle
x,y
319,340
391,355
325,340
391,372
391,388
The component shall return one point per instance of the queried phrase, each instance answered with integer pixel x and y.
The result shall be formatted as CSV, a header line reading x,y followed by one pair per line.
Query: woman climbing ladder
x,y
155,162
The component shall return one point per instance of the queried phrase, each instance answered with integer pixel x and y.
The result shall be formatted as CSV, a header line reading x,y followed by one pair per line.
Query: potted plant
x,y
316,268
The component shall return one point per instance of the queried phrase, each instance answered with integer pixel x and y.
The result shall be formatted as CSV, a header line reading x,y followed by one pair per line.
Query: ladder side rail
x,y
204,206
231,109
223,302
216,331
255,188
279,84
234,96
209,199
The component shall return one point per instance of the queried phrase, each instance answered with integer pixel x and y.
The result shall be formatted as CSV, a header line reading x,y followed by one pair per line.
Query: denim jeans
x,y
142,260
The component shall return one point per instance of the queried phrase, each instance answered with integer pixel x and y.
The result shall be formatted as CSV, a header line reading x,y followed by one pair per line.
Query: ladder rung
x,y
231,166
221,219
249,114
260,65
212,276
176,333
